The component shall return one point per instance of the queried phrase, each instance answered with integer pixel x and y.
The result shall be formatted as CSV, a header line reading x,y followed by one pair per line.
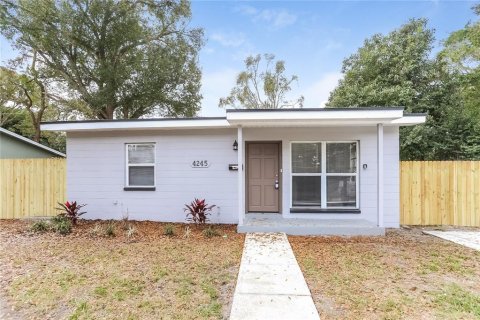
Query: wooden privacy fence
x,y
440,193
31,187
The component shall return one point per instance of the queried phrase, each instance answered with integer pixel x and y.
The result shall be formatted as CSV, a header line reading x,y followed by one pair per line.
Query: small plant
x,y
131,231
125,221
96,230
187,232
61,225
197,211
110,229
39,226
71,211
210,232
169,230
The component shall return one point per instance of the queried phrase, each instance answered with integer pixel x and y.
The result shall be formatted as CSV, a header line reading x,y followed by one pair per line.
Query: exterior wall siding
x,y
96,174
11,148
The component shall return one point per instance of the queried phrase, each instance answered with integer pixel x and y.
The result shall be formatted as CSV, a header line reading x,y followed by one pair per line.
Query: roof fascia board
x,y
136,125
409,120
315,109
316,115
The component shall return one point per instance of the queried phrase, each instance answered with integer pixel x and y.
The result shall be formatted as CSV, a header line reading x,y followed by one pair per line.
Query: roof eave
x,y
158,124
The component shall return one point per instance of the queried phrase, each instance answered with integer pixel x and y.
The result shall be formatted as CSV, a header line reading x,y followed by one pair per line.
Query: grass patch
x,y
100,291
210,232
81,309
110,229
213,309
169,230
159,272
455,301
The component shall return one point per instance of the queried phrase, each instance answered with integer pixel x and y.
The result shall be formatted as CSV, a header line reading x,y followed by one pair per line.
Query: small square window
x,y
140,165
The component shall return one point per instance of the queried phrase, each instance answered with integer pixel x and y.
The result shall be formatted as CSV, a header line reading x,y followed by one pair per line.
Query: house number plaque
x,y
200,164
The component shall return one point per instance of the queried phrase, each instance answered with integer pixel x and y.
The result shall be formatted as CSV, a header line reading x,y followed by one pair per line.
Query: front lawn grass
x,y
94,273
404,275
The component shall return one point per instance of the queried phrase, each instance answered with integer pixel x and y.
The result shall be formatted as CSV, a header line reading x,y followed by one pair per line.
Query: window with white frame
x,y
140,165
324,174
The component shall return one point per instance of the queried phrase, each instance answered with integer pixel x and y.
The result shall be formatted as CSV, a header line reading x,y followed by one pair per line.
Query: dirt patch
x,y
404,275
139,274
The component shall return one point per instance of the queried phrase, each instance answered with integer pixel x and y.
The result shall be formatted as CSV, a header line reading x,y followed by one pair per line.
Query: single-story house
x,y
303,171
15,146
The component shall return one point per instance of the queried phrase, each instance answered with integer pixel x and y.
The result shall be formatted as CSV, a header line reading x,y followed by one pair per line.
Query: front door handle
x,y
276,182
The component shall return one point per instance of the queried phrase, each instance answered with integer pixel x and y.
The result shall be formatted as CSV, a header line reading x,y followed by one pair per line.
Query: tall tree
x,y
462,53
396,70
25,101
389,70
29,92
262,89
124,59
10,106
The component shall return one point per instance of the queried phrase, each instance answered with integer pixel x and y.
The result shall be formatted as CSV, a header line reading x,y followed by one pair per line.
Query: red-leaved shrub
x,y
197,211
71,210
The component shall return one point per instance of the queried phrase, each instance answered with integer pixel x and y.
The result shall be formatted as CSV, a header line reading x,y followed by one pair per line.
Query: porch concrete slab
x,y
470,239
270,284
274,222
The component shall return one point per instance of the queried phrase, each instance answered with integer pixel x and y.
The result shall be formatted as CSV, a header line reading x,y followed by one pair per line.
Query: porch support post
x,y
241,174
380,174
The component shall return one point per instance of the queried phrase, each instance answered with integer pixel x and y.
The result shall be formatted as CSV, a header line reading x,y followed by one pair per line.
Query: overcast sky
x,y
312,37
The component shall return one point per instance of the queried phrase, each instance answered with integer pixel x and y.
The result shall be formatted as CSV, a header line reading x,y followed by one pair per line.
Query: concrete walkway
x,y
470,239
270,284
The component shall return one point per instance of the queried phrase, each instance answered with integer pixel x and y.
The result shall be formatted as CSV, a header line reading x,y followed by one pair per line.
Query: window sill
x,y
324,210
139,189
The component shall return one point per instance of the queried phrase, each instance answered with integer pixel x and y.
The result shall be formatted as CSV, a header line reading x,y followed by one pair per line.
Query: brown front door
x,y
263,177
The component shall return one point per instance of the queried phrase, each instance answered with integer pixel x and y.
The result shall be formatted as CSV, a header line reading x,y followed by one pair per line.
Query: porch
x,y
274,222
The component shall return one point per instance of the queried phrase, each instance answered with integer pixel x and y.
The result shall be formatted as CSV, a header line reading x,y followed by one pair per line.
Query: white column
x,y
380,174
241,185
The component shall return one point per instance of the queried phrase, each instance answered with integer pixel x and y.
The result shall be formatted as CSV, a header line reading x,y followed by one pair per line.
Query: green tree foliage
x,y
124,59
262,89
24,103
397,70
462,53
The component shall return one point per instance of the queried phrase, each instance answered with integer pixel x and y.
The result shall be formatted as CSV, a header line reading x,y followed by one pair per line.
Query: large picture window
x,y
140,165
324,174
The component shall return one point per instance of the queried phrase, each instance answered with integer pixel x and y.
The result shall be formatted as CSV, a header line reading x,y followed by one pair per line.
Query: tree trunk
x,y
38,132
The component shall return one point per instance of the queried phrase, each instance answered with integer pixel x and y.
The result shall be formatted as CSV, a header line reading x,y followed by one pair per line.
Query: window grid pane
x,y
341,191
342,157
141,153
307,157
306,191
141,176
